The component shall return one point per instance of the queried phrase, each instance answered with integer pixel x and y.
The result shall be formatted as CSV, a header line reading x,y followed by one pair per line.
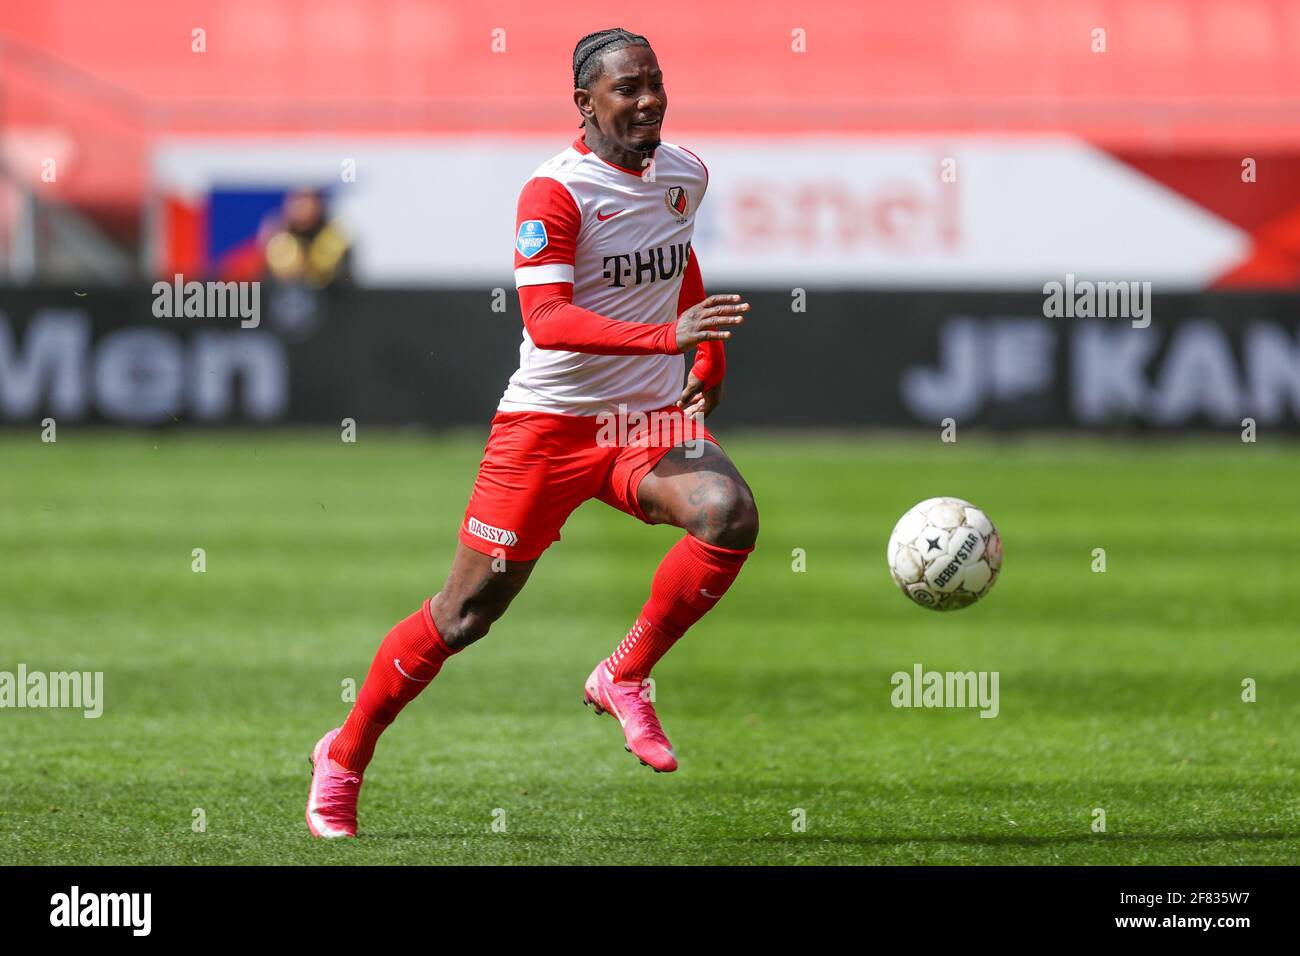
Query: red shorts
x,y
539,466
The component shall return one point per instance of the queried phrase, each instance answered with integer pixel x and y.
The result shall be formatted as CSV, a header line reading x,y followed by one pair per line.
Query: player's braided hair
x,y
591,50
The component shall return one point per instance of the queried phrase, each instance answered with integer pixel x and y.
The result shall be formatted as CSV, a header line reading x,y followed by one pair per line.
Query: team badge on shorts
x,y
678,202
532,238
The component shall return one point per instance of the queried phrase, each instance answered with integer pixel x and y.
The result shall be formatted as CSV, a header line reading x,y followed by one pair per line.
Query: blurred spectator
x,y
306,248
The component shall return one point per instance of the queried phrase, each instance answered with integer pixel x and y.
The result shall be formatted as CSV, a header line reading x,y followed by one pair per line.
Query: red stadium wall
x,y
1203,68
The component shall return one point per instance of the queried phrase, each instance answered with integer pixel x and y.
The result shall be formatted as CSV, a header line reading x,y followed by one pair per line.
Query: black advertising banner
x,y
158,356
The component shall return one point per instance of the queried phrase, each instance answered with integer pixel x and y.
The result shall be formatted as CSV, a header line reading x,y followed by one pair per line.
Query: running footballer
x,y
612,296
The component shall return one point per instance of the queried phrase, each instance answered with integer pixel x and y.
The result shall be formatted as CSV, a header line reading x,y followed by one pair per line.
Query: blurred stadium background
x,y
908,157
891,185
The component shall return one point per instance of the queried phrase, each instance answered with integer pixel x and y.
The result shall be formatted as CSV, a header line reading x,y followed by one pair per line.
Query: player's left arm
x,y
703,391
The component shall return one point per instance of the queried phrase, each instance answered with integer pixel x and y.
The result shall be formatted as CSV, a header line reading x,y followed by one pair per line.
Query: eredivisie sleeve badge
x,y
532,238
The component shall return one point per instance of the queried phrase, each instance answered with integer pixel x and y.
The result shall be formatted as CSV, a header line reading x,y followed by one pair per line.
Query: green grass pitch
x,y
1119,690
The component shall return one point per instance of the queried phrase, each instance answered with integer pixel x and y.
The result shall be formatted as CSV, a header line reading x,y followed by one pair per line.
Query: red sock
x,y
688,583
409,657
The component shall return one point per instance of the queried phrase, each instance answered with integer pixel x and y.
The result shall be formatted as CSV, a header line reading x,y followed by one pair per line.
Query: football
x,y
945,554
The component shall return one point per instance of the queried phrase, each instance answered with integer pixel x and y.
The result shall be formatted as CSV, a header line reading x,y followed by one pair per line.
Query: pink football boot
x,y
332,800
625,700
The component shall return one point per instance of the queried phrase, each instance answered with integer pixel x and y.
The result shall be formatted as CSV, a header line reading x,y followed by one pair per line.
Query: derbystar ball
x,y
945,554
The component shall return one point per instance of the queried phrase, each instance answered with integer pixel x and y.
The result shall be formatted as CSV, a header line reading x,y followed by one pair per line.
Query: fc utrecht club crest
x,y
678,202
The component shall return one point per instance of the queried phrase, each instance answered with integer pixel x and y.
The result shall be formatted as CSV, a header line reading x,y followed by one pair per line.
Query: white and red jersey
x,y
622,237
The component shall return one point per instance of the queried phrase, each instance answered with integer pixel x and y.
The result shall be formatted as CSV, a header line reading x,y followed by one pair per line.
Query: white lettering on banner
x,y
1114,373
138,374
1107,371
51,362
982,359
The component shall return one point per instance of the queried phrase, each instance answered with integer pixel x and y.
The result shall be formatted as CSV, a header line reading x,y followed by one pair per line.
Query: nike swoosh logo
x,y
608,701
610,216
398,665
708,595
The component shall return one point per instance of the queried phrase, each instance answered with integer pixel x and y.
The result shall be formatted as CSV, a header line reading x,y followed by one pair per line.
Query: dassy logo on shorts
x,y
489,533
531,239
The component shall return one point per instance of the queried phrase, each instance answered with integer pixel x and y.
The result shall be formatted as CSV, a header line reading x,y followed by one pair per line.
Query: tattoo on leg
x,y
686,491
706,516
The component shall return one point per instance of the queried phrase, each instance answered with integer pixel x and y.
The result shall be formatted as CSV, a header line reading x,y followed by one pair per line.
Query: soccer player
x,y
612,296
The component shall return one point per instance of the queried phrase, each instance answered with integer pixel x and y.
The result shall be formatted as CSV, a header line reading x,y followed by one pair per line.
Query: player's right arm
x,y
546,235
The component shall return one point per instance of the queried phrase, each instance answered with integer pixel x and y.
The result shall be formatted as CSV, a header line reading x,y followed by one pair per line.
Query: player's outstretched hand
x,y
696,400
710,319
